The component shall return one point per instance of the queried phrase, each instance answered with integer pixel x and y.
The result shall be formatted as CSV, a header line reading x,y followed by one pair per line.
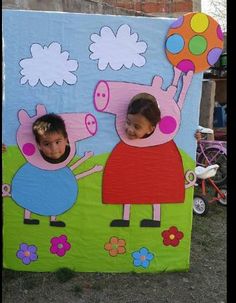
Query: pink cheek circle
x,y
167,125
28,149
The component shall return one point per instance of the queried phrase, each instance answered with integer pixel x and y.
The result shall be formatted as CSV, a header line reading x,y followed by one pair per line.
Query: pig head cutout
x,y
78,125
113,97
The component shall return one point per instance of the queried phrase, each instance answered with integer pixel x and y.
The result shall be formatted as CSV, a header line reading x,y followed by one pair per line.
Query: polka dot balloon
x,y
194,42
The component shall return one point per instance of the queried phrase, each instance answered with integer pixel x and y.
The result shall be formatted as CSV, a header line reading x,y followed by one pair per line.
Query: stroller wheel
x,y
200,205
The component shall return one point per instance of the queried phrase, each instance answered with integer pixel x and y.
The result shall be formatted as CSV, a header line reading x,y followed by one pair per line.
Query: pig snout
x,y
91,124
101,96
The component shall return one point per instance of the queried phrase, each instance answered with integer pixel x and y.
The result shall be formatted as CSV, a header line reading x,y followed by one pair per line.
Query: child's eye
x,y
137,127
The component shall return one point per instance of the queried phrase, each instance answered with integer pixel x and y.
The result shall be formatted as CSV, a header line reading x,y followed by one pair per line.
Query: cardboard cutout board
x,y
112,204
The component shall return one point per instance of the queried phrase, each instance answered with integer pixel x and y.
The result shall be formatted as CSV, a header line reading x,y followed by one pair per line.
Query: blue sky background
x,y
72,31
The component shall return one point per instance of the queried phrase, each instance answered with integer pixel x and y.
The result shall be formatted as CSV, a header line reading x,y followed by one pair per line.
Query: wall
x,y
158,7
84,6
171,8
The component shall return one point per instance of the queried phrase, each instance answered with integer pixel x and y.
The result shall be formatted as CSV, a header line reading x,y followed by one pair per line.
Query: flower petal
x,y
114,240
63,238
53,249
108,246
33,257
145,263
55,241
149,256
23,246
113,252
20,254
175,242
136,255
121,250
121,242
26,260
179,235
166,241
32,248
67,246
165,233
173,230
137,262
143,251
61,252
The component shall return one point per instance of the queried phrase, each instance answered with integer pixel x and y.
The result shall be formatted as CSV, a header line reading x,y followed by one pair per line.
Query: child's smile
x,y
137,126
53,145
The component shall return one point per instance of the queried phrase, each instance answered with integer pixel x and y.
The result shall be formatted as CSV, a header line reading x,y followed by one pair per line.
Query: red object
x,y
220,134
172,236
144,175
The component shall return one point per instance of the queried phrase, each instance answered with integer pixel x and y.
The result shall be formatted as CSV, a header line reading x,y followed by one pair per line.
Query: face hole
x,y
59,160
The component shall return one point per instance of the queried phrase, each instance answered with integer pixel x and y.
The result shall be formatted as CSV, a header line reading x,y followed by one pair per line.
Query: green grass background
x,y
88,228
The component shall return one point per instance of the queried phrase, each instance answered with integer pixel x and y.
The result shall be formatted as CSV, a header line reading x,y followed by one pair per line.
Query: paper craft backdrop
x,y
126,205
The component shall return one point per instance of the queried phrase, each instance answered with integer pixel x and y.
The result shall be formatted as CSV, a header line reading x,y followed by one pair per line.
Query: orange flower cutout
x,y
115,246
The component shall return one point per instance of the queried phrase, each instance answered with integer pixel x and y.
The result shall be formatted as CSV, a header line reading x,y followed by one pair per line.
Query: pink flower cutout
x,y
59,245
172,236
115,246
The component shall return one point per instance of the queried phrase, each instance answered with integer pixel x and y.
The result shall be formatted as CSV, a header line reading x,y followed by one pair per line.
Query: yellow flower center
x,y
27,253
172,236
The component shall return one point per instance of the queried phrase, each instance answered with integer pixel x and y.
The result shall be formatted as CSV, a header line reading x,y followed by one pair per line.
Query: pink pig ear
x,y
40,110
23,116
157,81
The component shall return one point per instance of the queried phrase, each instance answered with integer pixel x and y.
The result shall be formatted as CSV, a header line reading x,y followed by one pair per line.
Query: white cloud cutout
x,y
48,65
117,51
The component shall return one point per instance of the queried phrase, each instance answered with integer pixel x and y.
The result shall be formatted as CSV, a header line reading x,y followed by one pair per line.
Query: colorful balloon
x,y
194,42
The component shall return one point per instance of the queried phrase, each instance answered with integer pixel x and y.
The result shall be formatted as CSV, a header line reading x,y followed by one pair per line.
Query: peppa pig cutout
x,y
49,182
148,170
111,204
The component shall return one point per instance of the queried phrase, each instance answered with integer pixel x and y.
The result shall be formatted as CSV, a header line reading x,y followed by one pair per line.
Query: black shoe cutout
x,y
150,223
119,223
57,223
31,221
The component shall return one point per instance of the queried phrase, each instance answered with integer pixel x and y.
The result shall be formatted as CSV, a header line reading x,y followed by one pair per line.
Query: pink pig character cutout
x,y
150,170
45,188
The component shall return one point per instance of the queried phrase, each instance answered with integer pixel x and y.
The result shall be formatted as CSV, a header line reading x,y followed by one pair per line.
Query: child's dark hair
x,y
146,105
49,123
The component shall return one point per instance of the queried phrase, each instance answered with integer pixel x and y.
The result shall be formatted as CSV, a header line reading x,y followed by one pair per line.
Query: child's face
x,y
53,145
137,126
